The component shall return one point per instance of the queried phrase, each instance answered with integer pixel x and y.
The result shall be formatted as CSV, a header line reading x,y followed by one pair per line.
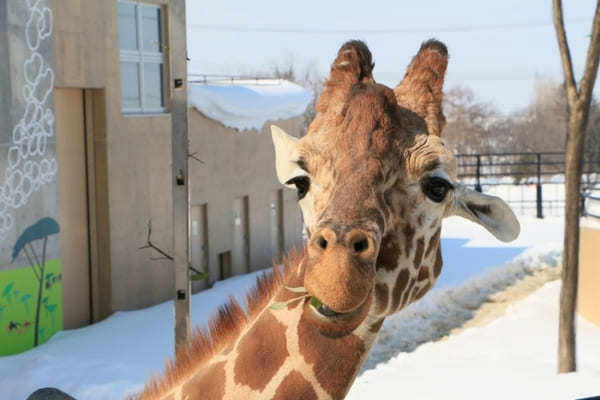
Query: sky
x,y
497,48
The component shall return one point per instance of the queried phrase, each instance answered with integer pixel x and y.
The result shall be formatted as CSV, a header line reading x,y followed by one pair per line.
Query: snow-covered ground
x,y
248,104
513,357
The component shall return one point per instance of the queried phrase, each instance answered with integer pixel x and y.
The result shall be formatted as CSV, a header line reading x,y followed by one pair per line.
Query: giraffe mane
x,y
224,327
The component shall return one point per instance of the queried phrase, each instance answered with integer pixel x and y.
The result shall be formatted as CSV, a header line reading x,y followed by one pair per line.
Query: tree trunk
x,y
579,106
568,291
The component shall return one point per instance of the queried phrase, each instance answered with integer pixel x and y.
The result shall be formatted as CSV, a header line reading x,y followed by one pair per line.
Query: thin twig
x,y
165,255
153,246
193,155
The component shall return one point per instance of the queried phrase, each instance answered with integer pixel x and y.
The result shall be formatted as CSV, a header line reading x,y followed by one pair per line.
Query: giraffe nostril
x,y
361,245
322,242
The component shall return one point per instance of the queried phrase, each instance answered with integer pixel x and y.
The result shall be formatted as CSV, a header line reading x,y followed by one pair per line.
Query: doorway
x,y
73,206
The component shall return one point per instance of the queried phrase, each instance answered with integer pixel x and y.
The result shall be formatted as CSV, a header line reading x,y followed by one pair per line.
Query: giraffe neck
x,y
279,354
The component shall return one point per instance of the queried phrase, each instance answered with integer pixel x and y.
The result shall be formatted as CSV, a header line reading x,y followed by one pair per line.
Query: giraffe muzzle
x,y
340,270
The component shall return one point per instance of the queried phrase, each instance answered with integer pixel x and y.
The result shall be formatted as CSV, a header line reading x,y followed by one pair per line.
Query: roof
x,y
248,104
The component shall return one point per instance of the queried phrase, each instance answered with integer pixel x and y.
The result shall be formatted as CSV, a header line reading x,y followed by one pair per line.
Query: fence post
x,y
540,209
478,174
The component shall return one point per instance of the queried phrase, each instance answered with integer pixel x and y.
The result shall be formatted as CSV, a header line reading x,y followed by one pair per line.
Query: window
x,y
142,58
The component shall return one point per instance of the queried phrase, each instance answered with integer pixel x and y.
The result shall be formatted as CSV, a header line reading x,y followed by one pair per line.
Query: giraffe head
x,y
374,181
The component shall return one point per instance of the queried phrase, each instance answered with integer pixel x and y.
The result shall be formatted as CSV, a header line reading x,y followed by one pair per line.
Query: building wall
x,y
236,164
133,157
29,234
48,46
589,274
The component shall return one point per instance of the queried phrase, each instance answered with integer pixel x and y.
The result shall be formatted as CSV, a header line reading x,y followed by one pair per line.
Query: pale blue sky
x,y
496,47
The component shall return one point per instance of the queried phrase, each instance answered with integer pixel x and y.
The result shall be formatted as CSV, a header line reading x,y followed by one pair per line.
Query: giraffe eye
x,y
436,188
302,184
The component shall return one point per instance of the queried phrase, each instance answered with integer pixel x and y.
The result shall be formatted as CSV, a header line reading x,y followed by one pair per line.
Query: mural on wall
x,y
30,296
31,309
29,167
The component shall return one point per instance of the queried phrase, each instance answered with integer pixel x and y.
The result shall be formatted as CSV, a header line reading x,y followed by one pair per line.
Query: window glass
x,y
153,85
127,27
130,85
151,29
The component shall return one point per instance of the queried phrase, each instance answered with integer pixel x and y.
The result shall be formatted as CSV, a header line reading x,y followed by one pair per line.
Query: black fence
x,y
539,176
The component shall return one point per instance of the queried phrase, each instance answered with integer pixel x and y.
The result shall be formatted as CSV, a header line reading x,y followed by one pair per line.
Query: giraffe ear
x,y
286,155
421,88
491,212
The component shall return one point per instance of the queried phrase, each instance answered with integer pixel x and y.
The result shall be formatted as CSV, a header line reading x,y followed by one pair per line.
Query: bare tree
x,y
468,121
579,100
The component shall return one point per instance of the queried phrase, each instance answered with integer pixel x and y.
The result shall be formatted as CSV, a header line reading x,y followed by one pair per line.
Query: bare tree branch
x,y
195,157
165,255
591,62
565,54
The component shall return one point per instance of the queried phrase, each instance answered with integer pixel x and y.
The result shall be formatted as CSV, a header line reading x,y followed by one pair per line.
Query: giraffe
x,y
374,181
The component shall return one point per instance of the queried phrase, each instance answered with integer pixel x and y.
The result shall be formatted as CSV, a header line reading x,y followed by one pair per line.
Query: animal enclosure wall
x,y
588,304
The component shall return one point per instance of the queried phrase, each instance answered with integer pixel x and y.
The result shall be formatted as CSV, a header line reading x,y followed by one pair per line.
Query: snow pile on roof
x,y
248,104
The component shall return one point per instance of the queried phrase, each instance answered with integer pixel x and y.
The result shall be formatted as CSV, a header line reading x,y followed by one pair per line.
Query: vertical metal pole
x,y
179,123
540,209
478,172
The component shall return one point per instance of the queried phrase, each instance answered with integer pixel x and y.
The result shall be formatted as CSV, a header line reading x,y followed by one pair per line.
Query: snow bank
x,y
514,357
442,310
248,104
113,358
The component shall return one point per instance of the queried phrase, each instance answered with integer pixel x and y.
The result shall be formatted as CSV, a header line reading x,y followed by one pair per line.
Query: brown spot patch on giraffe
x,y
423,273
295,386
409,234
208,385
419,252
401,282
437,267
374,328
420,220
334,360
433,242
389,253
406,297
258,359
381,297
422,292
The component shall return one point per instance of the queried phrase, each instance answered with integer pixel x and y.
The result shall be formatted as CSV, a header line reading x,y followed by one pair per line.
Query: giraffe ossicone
x,y
374,182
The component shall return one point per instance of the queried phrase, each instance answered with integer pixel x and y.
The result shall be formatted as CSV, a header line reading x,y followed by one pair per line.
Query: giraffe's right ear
x,y
286,154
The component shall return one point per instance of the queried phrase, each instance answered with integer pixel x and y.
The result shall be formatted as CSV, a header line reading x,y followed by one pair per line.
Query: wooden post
x,y
179,124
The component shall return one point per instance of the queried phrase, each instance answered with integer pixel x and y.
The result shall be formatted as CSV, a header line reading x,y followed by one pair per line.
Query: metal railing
x,y
525,169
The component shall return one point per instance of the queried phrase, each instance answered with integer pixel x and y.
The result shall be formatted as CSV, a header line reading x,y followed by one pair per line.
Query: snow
x,y
248,104
512,357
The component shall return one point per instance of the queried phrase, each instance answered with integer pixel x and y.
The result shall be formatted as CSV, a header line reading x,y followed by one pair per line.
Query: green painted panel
x,y
19,291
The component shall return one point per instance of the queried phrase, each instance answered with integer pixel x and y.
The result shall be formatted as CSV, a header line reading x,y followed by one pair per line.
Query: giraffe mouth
x,y
327,312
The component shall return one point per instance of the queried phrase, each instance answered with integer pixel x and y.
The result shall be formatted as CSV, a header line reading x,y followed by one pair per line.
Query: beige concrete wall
x,y
137,186
589,274
237,164
132,167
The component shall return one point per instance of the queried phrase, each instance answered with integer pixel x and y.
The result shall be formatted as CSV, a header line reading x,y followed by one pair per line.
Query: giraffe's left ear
x,y
285,154
491,212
